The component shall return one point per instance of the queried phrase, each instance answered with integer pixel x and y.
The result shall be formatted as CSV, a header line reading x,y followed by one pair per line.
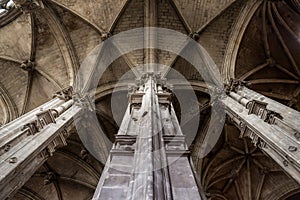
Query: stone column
x,y
27,142
272,126
149,159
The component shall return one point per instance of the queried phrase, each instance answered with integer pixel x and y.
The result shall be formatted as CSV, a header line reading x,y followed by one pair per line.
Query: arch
x,y
228,68
8,105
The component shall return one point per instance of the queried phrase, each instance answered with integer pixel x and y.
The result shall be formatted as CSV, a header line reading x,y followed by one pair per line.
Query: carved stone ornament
x,y
105,36
65,94
256,107
45,118
195,36
234,85
28,6
27,65
32,128
84,101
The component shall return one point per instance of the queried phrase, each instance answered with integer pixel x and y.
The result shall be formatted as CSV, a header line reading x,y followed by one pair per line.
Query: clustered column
x,y
272,126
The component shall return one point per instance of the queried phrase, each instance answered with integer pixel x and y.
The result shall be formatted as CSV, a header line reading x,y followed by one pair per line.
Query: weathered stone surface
x,y
16,83
199,12
17,45
17,165
274,134
84,37
53,65
102,13
152,164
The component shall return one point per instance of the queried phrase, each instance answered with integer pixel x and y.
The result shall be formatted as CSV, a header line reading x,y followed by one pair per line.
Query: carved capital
x,y
234,85
84,102
28,6
65,94
132,89
155,76
217,94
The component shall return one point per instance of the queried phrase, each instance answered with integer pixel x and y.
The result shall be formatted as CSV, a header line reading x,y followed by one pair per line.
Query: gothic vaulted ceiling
x,y
42,47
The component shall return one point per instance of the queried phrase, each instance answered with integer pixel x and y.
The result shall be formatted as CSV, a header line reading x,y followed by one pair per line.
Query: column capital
x,y
158,79
85,102
234,85
64,94
28,6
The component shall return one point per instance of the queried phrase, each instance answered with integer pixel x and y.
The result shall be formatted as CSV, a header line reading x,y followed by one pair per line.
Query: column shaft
x,y
149,159
272,126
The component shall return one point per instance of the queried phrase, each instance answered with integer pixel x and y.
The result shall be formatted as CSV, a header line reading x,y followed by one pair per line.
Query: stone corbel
x,y
59,141
175,144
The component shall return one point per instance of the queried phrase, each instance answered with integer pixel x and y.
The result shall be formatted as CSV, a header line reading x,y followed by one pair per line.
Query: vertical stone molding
x,y
40,132
271,125
149,159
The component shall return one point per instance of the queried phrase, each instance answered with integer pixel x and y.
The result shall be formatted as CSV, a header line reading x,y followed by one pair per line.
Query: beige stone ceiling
x,y
239,35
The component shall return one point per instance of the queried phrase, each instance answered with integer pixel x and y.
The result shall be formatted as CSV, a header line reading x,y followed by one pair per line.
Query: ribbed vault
x,y
254,41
